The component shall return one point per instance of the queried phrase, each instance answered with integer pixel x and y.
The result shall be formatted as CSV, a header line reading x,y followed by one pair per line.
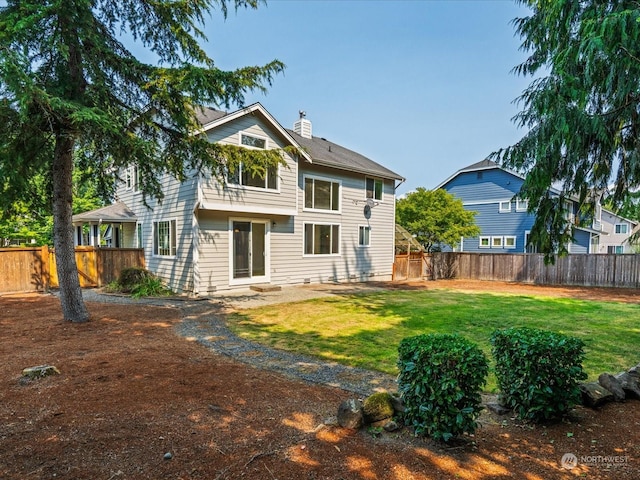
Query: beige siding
x,y
288,263
178,203
239,196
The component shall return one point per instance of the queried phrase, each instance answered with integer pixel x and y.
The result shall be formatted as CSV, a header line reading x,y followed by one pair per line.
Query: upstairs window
x,y
374,188
244,176
321,194
622,228
505,206
252,141
522,205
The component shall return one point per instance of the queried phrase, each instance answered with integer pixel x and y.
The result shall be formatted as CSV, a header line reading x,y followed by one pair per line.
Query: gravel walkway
x,y
203,321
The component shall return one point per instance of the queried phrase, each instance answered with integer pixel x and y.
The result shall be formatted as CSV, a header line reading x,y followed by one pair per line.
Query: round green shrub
x,y
538,371
441,377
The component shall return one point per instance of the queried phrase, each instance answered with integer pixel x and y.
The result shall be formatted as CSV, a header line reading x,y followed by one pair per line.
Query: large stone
x,y
594,395
612,384
630,384
635,371
377,407
350,414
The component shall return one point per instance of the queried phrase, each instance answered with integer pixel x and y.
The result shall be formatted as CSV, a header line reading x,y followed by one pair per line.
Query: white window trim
x,y
504,242
153,244
321,210
139,234
375,179
267,248
480,245
521,205
496,238
248,134
322,255
240,186
625,225
363,245
501,209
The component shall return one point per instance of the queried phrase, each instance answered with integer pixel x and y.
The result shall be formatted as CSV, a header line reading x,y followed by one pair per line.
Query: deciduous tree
x,y
435,218
581,112
69,86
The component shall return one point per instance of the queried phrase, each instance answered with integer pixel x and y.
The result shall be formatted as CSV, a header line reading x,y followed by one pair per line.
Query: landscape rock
x,y
40,371
594,395
398,403
391,426
635,371
612,384
350,414
629,384
377,407
498,408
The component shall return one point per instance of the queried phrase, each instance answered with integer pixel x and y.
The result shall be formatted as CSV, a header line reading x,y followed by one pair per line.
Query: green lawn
x,y
365,330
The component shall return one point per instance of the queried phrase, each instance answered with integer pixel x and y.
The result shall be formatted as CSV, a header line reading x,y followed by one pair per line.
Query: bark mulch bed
x,y
136,401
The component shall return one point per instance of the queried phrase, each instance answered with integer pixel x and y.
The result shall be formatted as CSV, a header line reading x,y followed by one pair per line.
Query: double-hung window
x,y
321,239
320,194
165,238
374,188
260,177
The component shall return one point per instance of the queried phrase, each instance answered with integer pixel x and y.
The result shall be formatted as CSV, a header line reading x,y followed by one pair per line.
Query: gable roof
x,y
116,213
315,150
485,164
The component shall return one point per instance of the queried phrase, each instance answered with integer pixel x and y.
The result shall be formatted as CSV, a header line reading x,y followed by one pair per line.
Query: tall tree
x,y
69,86
435,218
582,110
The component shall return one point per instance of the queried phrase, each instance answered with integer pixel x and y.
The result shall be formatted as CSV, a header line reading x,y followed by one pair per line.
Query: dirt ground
x,y
132,393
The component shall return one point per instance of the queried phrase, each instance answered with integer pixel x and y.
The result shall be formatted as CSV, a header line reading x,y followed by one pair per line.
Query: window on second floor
x,y
320,194
505,206
374,188
622,228
521,205
131,178
267,179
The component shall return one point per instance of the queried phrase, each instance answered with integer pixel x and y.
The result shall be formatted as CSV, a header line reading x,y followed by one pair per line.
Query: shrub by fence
x,y
599,270
34,269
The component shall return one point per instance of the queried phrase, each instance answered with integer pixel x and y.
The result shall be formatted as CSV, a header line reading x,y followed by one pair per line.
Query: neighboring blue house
x,y
491,190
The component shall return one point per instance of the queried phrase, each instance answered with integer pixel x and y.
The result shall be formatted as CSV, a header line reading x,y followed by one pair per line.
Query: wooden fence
x,y
34,269
596,270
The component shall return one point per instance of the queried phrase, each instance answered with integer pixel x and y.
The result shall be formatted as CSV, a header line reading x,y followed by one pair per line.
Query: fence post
x,y
45,262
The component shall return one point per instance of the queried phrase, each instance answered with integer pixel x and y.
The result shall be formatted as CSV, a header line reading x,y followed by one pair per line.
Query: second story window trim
x,y
621,228
504,206
374,188
322,194
522,205
243,177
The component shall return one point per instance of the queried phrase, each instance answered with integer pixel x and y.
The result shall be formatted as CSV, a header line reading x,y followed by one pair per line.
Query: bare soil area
x,y
136,401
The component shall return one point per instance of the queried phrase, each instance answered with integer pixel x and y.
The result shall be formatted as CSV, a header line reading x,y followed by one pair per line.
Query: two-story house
x,y
491,191
327,215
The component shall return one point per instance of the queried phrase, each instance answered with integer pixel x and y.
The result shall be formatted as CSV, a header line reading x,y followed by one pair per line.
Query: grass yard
x,y
364,330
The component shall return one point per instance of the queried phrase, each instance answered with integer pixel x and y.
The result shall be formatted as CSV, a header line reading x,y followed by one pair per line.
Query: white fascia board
x,y
256,107
243,208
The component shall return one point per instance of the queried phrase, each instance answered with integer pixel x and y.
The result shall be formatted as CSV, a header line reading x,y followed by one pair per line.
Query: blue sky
x,y
422,87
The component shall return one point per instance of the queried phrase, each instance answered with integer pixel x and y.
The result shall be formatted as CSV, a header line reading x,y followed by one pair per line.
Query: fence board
x,y
34,269
598,270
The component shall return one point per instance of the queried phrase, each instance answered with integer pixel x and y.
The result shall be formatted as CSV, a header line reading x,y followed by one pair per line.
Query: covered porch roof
x,y
116,213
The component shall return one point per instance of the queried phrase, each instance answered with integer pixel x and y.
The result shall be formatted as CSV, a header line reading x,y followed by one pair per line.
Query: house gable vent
x,y
302,126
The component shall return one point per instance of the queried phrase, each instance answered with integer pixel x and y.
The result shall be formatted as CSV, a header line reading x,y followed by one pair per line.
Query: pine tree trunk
x,y
73,307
